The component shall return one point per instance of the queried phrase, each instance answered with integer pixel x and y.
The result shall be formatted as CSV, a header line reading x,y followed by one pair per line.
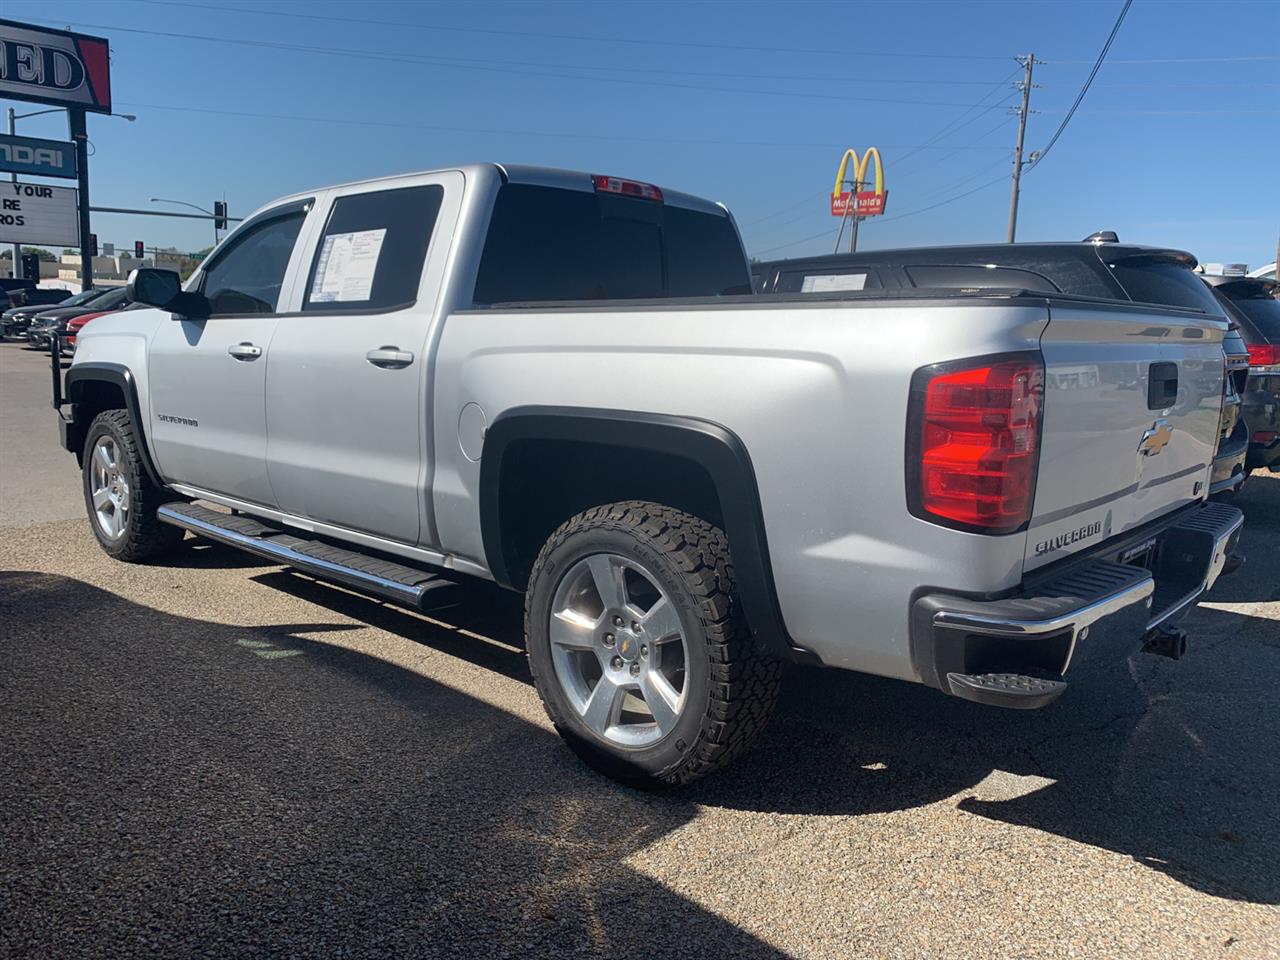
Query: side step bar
x,y
407,586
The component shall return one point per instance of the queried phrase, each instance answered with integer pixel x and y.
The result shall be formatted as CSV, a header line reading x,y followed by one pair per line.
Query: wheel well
x,y
92,397
544,482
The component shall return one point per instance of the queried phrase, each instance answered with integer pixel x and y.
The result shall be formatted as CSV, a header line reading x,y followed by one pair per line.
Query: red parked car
x,y
73,327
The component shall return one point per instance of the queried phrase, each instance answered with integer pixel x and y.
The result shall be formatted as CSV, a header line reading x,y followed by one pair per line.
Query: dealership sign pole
x,y
68,70
857,204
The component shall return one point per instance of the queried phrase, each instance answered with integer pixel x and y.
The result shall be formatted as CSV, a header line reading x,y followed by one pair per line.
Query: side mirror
x,y
163,289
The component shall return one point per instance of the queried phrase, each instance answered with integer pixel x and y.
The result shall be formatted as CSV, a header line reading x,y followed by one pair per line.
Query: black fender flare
x,y
120,376
712,446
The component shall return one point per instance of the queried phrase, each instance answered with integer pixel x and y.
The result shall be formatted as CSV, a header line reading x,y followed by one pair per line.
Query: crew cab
x,y
562,383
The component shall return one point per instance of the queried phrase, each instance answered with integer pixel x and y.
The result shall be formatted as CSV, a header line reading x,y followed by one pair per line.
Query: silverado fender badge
x,y
1156,438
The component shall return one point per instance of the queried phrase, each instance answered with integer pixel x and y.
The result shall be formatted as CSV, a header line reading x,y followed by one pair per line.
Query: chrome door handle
x,y
389,358
245,351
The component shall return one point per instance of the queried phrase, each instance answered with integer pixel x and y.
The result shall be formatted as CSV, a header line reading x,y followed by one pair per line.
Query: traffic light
x,y
31,266
139,251
93,244
220,215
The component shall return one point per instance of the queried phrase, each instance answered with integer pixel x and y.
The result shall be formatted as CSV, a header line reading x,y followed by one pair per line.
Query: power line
x,y
554,134
581,37
938,191
363,54
957,125
949,128
1084,89
1169,60
901,216
943,203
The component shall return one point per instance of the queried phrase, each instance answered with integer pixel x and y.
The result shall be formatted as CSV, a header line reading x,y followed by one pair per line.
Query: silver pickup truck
x,y
562,383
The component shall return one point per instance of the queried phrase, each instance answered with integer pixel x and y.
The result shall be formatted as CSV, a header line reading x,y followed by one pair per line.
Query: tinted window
x,y
371,254
826,281
84,296
111,300
247,277
1160,281
1258,303
979,276
546,243
704,255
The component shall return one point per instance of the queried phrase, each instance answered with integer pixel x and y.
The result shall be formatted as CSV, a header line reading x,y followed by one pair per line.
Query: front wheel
x,y
119,495
638,646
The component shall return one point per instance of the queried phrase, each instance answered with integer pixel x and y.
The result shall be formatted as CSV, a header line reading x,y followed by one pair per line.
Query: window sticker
x,y
347,264
828,283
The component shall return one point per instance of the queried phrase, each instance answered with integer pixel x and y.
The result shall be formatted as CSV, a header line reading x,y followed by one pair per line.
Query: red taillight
x,y
1265,436
979,436
1264,354
627,188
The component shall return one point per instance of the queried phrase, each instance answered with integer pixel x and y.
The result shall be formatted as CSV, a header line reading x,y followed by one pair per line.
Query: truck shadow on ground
x,y
176,787
1170,763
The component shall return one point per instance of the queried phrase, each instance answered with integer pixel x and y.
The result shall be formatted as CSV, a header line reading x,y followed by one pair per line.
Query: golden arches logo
x,y
868,203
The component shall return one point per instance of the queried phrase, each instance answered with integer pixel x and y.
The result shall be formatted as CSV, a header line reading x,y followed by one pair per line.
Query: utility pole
x,y
17,247
1028,63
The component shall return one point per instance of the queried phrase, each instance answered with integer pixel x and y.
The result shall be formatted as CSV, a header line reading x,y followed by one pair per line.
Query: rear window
x,y
978,276
546,243
1163,282
826,281
1259,304
371,254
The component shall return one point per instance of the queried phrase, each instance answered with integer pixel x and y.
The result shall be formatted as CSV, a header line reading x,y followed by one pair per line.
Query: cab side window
x,y
371,254
247,277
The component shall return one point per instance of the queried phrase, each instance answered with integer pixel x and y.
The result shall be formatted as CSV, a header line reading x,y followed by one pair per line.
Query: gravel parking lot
x,y
219,757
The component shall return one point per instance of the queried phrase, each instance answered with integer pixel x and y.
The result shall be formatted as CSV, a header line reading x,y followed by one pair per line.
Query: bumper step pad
x,y
408,586
1014,690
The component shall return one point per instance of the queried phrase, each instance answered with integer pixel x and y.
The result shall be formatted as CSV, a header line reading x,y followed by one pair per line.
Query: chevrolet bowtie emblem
x,y
1156,438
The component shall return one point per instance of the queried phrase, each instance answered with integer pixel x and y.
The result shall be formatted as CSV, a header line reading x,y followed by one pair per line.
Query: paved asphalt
x,y
218,757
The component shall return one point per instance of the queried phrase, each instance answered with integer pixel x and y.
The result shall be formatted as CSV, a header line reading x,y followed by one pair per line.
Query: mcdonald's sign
x,y
866,203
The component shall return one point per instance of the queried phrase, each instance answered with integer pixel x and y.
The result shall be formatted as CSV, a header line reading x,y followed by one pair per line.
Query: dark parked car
x,y
15,321
21,292
1099,267
47,322
1253,303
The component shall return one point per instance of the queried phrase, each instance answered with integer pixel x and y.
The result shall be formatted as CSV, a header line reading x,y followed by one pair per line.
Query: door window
x,y
247,277
371,254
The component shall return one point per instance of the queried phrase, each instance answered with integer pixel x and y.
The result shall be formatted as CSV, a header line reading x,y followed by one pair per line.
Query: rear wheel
x,y
638,647
119,496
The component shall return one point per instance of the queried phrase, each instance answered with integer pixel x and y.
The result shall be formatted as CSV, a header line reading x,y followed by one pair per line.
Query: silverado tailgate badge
x,y
1156,438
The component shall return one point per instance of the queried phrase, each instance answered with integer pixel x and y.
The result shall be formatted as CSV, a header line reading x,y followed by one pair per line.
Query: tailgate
x,y
1132,401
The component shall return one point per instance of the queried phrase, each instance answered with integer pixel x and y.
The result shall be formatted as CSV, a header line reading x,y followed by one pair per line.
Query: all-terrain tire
x,y
142,537
734,686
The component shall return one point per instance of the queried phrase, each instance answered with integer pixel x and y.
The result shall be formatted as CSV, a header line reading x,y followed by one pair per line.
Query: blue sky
x,y
1179,148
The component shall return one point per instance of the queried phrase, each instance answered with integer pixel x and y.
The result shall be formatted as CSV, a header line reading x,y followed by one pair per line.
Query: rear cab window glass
x,y
370,255
1164,282
550,243
963,277
246,277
